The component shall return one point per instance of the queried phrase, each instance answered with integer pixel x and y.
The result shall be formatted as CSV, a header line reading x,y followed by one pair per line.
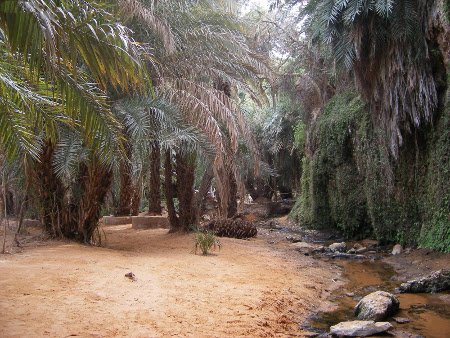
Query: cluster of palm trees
x,y
93,94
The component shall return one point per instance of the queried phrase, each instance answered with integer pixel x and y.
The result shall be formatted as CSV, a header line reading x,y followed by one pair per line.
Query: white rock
x,y
302,245
360,328
397,250
338,247
377,306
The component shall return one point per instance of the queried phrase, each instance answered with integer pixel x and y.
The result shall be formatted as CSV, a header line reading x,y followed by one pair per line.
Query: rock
x,y
397,250
357,249
401,320
404,334
369,243
319,248
361,250
293,239
377,306
348,256
357,246
307,248
302,245
338,247
360,328
131,276
435,282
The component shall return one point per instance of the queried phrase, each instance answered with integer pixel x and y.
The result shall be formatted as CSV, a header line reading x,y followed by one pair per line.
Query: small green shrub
x,y
205,240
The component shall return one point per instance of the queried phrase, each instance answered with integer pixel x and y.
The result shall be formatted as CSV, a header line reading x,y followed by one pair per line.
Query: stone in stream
x,y
360,328
357,249
344,255
377,306
401,320
397,250
338,247
435,282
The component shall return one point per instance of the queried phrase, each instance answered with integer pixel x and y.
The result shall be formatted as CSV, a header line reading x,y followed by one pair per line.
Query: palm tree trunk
x,y
168,188
95,182
154,198
137,197
50,190
126,183
185,171
207,178
23,206
232,201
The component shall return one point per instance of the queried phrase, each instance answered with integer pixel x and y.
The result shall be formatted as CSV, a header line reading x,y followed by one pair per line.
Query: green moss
x,y
352,183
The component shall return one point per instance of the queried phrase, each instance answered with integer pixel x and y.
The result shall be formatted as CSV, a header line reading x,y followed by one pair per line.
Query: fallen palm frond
x,y
235,228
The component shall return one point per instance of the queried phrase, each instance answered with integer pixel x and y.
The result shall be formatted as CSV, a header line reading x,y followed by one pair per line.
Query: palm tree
x,y
44,46
154,125
203,44
58,59
385,44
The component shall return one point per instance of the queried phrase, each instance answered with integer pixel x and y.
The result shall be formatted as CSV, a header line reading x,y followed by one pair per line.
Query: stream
x,y
429,313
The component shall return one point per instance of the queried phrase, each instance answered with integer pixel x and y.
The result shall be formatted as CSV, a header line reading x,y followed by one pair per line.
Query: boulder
x,y
357,249
361,250
302,245
359,328
397,250
338,247
377,306
307,248
435,282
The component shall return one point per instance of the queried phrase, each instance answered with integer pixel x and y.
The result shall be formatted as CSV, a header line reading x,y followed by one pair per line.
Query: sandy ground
x,y
251,288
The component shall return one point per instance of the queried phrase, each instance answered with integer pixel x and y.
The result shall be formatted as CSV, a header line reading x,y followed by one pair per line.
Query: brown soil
x,y
413,264
248,288
255,288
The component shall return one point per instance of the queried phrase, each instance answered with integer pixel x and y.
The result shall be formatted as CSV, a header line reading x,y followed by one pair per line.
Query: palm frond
x,y
135,9
69,153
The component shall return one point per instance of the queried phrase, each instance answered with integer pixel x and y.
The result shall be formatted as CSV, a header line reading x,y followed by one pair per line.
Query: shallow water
x,y
429,313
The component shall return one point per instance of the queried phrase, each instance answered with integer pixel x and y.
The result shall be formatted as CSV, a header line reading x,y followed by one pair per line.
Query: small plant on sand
x,y
205,240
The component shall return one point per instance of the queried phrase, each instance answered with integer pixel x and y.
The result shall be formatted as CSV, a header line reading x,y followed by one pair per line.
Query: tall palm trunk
x,y
126,183
200,198
231,210
50,190
95,183
154,198
137,197
185,170
168,188
232,200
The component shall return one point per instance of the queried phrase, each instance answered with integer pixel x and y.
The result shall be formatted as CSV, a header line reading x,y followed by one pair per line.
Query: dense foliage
x,y
372,168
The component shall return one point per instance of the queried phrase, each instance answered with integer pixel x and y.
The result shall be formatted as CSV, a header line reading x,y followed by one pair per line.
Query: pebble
x,y
401,320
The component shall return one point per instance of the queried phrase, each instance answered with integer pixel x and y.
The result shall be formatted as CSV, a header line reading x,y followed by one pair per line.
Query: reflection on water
x,y
429,313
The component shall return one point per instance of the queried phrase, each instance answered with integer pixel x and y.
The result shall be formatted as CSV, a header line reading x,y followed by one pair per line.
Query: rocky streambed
x,y
367,267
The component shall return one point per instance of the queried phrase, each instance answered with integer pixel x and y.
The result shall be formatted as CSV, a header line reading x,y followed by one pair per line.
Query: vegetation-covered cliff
x,y
376,163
